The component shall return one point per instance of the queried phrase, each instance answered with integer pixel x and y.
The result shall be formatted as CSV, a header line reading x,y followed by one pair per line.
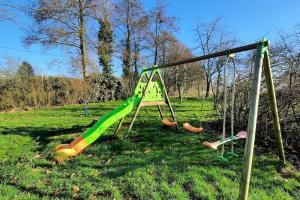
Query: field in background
x,y
152,162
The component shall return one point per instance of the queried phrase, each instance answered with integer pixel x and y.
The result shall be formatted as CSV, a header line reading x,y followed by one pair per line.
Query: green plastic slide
x,y
64,151
100,127
153,90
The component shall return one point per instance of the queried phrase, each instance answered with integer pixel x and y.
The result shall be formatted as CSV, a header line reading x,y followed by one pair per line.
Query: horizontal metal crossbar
x,y
208,56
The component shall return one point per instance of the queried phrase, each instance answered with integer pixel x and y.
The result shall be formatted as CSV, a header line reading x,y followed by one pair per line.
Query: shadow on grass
x,y
41,134
36,191
154,146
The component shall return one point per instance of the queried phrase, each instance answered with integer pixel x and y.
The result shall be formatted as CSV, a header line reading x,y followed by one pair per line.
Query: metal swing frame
x,y
147,98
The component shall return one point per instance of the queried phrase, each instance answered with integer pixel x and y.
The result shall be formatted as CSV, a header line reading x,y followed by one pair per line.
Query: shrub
x,y
57,89
80,91
105,88
25,70
32,92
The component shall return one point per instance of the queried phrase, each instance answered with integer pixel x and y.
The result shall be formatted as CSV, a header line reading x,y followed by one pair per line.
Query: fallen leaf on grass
x,y
47,182
56,193
37,156
127,152
72,176
108,161
13,181
147,151
75,189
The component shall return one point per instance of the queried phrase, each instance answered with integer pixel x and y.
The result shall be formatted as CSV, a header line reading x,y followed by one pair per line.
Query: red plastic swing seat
x,y
166,122
192,129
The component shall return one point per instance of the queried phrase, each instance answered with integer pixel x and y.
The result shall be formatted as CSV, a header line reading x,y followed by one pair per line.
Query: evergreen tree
x,y
25,70
131,21
105,48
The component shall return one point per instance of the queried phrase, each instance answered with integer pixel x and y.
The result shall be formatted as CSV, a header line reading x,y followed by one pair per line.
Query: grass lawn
x,y
152,162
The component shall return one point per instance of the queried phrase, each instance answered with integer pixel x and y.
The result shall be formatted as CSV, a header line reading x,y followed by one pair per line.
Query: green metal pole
x,y
254,99
273,103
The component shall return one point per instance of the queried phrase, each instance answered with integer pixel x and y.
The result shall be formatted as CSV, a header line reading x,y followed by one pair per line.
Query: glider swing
x,y
239,135
166,122
187,126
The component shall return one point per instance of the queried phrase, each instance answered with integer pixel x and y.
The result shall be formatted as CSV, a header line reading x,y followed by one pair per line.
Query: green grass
x,y
152,162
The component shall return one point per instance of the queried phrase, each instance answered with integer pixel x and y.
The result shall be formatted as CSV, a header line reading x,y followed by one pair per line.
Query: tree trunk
x,y
199,91
217,90
156,44
82,40
128,74
290,94
135,62
127,55
179,93
155,55
207,87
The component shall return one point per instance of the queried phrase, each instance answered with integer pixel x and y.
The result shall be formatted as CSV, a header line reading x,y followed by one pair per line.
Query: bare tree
x,y
6,14
62,23
130,20
181,77
159,25
139,46
8,67
287,54
211,38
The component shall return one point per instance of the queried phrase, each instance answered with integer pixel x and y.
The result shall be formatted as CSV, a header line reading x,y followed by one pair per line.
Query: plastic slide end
x,y
60,157
192,129
213,145
242,135
62,146
64,151
166,122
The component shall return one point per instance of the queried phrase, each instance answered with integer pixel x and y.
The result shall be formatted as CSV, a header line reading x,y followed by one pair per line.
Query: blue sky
x,y
247,20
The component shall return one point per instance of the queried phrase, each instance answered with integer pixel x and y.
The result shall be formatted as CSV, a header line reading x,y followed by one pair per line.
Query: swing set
x,y
150,91
262,63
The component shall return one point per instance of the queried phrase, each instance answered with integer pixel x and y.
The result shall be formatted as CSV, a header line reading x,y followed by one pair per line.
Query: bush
x,y
105,88
25,70
57,89
80,91
4,85
288,102
33,92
